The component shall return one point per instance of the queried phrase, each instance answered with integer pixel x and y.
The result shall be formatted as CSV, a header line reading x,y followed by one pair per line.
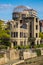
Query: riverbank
x,y
22,57
33,61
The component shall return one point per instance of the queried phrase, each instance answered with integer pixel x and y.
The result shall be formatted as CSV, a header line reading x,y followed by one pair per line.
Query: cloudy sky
x,y
7,7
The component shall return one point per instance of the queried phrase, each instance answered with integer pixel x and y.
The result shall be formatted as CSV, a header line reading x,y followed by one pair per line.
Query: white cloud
x,y
6,6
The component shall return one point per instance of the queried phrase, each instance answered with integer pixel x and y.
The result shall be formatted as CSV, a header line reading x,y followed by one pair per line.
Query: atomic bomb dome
x,y
25,25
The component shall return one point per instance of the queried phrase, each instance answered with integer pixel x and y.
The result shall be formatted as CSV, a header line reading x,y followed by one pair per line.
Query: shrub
x,y
27,47
39,46
20,47
38,51
15,47
23,47
3,47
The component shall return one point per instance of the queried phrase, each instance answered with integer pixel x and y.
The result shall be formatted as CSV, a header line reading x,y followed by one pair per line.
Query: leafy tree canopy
x,y
4,33
41,35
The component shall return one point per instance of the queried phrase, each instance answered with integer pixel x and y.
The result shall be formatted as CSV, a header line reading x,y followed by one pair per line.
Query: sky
x,y
7,7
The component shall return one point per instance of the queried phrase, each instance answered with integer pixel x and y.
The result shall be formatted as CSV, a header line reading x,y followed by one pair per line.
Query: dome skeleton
x,y
22,8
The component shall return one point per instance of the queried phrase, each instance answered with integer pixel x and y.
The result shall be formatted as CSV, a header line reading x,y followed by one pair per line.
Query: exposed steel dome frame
x,y
20,8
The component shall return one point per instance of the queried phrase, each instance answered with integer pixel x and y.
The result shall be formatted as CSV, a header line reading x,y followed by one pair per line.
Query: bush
x,y
15,47
23,47
38,51
3,47
39,46
27,47
20,47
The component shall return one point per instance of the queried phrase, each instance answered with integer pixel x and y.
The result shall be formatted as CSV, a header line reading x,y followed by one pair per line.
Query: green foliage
x,y
22,47
39,46
38,51
15,47
3,32
3,47
27,47
41,35
4,36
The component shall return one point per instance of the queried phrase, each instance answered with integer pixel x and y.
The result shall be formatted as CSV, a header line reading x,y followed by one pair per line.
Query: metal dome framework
x,y
20,8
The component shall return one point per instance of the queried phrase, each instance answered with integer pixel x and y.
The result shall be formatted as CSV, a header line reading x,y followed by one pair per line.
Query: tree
x,y
41,35
4,34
